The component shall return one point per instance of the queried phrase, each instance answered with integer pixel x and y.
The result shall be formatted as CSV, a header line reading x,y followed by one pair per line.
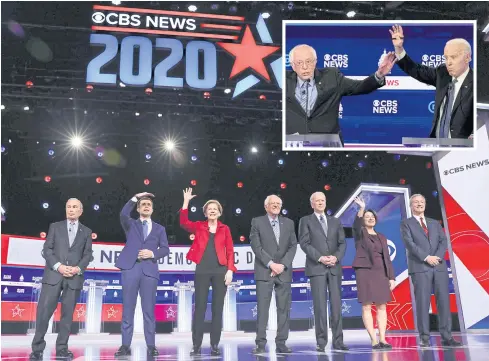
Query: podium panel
x,y
437,143
229,315
93,296
184,307
297,142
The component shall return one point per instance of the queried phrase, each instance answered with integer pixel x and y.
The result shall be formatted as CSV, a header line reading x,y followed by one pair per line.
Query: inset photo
x,y
379,85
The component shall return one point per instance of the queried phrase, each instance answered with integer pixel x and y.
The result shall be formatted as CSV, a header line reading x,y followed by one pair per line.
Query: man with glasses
x,y
274,243
314,95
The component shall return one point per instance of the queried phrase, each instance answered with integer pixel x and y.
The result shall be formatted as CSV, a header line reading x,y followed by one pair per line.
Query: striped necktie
x,y
305,97
276,230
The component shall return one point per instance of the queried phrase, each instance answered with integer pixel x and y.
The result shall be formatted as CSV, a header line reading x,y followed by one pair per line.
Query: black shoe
x,y
195,351
451,343
283,349
377,346
341,347
36,356
65,353
123,351
385,346
424,344
258,349
320,348
152,351
215,350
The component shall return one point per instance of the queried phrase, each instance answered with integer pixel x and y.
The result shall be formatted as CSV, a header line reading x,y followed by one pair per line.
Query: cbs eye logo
x,y
445,172
98,17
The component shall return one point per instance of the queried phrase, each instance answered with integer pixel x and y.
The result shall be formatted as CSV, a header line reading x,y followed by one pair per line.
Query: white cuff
x,y
401,55
56,266
134,199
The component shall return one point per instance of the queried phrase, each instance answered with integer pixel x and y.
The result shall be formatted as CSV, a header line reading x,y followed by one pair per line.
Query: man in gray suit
x,y
322,238
426,245
274,243
67,251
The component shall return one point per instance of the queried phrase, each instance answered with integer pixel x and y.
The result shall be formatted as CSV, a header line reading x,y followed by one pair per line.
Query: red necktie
x,y
425,229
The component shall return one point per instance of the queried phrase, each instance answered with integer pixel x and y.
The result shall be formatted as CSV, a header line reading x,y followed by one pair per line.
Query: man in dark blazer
x,y
426,245
146,243
67,251
322,238
274,243
318,92
454,99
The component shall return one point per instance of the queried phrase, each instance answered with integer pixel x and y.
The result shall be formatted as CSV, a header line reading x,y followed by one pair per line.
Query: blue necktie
x,y
447,114
145,229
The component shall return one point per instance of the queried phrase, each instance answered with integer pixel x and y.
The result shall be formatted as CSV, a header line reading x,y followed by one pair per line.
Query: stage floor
x,y
238,346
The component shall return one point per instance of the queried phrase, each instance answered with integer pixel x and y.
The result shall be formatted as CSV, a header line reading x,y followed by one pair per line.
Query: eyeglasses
x,y
275,204
308,62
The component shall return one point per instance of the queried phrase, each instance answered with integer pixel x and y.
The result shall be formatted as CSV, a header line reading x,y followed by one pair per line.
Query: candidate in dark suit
x,y
426,245
374,273
67,251
322,238
274,243
213,252
146,243
313,95
454,106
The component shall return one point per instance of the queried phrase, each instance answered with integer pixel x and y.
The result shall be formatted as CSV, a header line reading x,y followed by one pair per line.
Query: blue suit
x,y
140,276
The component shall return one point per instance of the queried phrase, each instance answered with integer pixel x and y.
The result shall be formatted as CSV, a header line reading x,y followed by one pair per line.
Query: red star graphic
x,y
249,55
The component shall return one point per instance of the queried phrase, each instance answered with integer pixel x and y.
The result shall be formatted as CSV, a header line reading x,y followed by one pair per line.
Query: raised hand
x,y
397,36
144,194
387,64
360,202
187,195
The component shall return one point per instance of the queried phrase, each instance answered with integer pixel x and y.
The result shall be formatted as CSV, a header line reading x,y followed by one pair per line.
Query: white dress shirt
x,y
418,218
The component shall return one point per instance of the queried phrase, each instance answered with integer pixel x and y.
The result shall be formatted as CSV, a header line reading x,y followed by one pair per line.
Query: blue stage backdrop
x,y
402,108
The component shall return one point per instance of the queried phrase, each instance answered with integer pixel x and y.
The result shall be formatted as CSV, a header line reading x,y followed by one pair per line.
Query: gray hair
x,y
463,43
414,196
314,194
291,54
76,199
267,200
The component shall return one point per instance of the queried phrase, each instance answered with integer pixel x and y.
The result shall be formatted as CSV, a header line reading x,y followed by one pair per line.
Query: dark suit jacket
x,y
57,249
363,245
316,244
462,122
266,249
419,246
156,242
332,86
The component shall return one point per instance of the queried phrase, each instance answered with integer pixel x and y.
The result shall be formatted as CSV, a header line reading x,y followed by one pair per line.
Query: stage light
x,y
43,234
283,185
169,145
10,140
146,182
89,88
3,149
324,163
327,187
96,207
238,210
76,141
242,238
361,164
160,115
429,165
148,91
50,152
100,154
116,2
254,150
193,182
136,114
192,8
99,180
193,158
47,179
351,14
193,209
263,97
233,9
192,237
45,205
239,184
397,157
329,212
280,162
26,108
147,156
435,193
284,212
239,159
207,95
94,236
29,84
265,15
122,85
3,107
227,91
402,181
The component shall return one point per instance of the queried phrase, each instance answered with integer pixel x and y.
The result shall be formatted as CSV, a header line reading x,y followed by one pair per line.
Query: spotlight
x,y
327,187
47,179
361,164
351,14
89,88
329,212
43,234
192,8
263,97
96,207
429,165
254,150
233,9
147,156
283,185
148,91
147,182
94,236
45,205
242,238
136,114
239,160
207,95
160,115
238,210
193,158
227,91
324,163
3,107
122,85
29,84
193,209
280,162
397,157
76,141
239,184
116,2
100,154
402,181
26,108
435,194
98,180
3,149
50,152
192,237
265,15
193,182
284,212
169,145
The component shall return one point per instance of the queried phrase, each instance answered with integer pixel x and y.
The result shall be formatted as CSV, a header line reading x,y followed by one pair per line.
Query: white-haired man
x,y
313,95
454,105
274,243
